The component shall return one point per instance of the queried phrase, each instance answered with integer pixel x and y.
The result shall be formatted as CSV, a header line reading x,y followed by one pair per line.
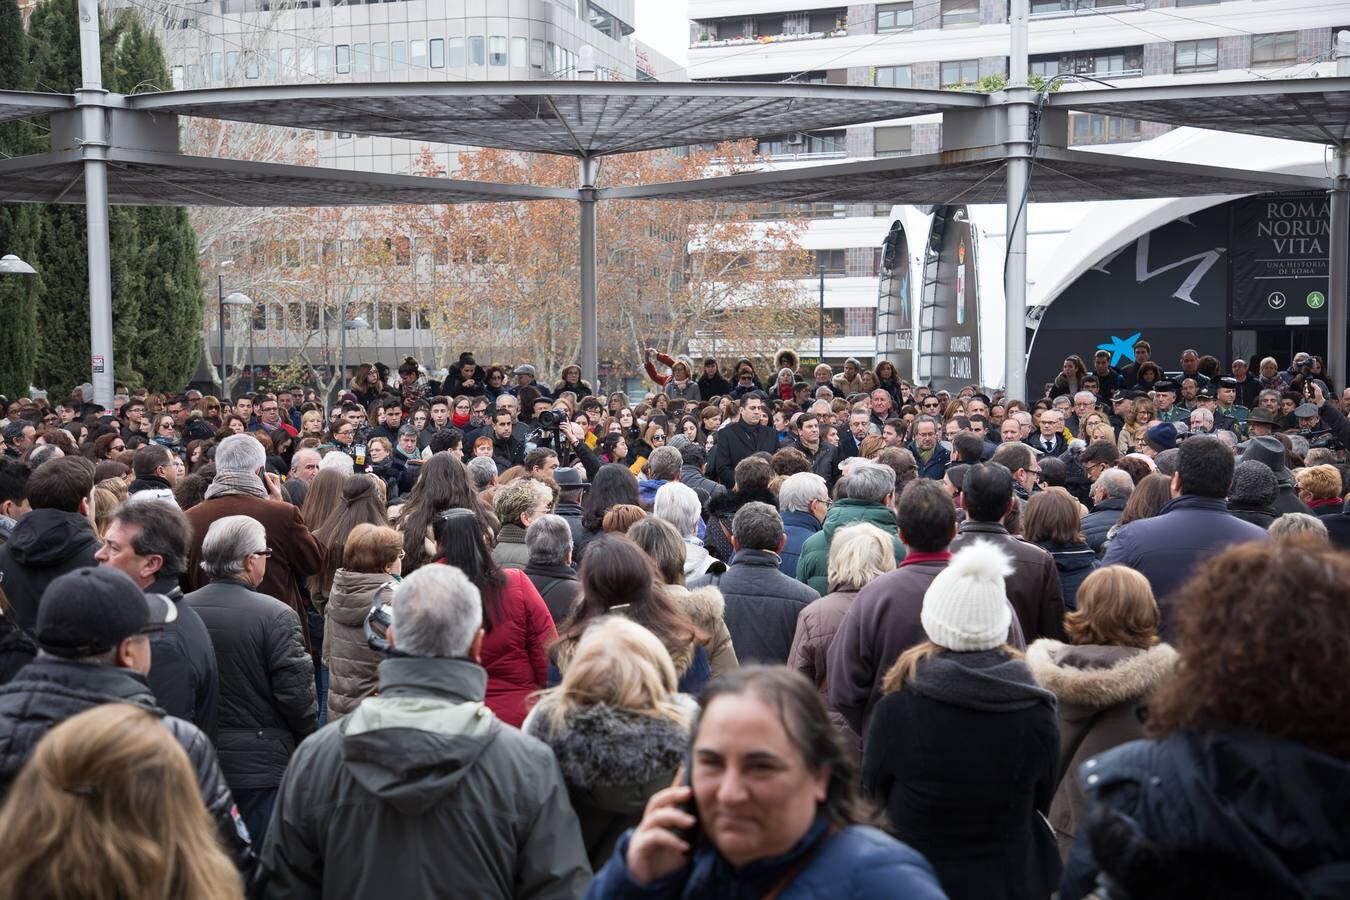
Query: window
x,y
1197,56
1085,128
456,56
437,48
379,53
496,50
1116,62
417,54
536,54
398,55
360,58
895,17
895,140
804,142
323,61
1197,2
957,13
520,53
827,20
832,261
251,65
231,63
344,59
960,72
893,76
1275,49
477,51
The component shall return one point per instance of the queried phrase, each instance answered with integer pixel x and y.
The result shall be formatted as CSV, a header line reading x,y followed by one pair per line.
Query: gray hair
x,y
240,453
437,612
757,526
482,470
1167,461
1299,444
859,554
1268,392
336,459
549,539
677,504
798,490
870,482
664,464
228,541
1205,415
1298,524
299,457
1114,484
1087,396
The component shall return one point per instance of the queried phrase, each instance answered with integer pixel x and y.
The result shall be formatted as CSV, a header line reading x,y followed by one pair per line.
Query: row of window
x,y
543,58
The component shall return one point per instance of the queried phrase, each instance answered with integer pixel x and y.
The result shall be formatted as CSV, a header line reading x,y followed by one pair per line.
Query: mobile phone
x,y
688,835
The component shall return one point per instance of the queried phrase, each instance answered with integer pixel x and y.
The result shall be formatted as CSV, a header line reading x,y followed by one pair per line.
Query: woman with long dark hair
x,y
518,625
617,577
444,484
613,484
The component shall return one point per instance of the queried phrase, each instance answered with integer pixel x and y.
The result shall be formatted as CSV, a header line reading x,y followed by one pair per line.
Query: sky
x,y
664,24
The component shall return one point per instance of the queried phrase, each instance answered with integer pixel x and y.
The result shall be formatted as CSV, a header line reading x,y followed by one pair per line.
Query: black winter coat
x,y
965,759
1260,516
16,649
183,671
716,386
46,692
266,681
1097,523
44,545
1235,815
734,443
1074,562
558,586
762,605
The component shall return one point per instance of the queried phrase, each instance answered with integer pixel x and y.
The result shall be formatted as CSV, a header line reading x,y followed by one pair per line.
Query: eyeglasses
x,y
264,552
268,409
118,448
166,426
658,438
1036,472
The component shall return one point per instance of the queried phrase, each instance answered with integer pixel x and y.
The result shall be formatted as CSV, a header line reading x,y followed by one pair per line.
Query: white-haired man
x,y
425,771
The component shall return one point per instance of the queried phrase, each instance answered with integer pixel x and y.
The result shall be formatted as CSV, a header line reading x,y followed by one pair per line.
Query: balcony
x,y
1056,9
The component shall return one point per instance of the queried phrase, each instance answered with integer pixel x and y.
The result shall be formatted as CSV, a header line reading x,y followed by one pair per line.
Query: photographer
x,y
1334,424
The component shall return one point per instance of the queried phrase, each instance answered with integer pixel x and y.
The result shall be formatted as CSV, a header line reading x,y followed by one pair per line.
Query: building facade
x,y
963,44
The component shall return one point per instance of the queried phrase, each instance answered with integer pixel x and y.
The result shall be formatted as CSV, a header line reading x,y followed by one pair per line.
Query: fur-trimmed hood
x,y
787,358
1095,676
601,746
704,606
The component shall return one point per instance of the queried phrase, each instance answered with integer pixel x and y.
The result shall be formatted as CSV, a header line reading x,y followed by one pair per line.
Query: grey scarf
x,y
232,483
986,680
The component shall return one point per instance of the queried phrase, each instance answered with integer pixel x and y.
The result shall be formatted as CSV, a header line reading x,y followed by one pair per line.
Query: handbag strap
x,y
802,861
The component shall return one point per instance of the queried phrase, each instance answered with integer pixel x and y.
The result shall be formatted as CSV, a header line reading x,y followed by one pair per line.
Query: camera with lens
x,y
550,419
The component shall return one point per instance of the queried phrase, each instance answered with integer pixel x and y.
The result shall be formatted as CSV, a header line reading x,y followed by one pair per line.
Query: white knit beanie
x,y
966,607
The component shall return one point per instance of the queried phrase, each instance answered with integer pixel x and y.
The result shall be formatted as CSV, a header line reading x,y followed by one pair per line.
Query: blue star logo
x,y
1121,348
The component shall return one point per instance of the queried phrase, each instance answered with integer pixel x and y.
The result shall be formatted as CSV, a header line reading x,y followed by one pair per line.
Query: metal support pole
x,y
220,300
251,386
1018,152
1337,297
342,353
820,355
590,328
94,148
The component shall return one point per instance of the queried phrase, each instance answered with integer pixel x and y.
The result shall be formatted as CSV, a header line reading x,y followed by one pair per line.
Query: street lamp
x,y
234,299
354,324
12,265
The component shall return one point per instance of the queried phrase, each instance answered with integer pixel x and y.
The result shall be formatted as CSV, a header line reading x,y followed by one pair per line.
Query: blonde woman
x,y
1097,427
311,424
859,554
617,726
107,808
106,496
1136,423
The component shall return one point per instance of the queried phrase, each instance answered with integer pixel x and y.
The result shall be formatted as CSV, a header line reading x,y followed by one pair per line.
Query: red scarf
x,y
459,420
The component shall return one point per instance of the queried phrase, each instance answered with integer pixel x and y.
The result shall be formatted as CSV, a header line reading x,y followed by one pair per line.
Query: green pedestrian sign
x,y
1316,300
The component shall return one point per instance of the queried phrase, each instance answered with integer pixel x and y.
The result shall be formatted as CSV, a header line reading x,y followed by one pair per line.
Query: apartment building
x,y
957,43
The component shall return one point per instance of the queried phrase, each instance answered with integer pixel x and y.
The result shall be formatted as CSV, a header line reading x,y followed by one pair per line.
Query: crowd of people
x,y
767,633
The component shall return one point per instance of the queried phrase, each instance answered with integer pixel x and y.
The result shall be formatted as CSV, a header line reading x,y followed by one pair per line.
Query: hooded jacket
x,y
1262,814
46,692
1101,693
612,761
352,664
44,545
422,792
266,681
1074,562
814,564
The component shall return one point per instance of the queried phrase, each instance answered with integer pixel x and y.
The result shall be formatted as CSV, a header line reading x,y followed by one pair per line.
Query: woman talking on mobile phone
x,y
767,808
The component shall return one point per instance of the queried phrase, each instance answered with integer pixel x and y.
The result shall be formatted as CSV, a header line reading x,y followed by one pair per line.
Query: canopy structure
x,y
123,149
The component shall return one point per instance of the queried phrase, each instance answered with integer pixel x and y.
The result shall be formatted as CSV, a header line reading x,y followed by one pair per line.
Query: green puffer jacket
x,y
814,564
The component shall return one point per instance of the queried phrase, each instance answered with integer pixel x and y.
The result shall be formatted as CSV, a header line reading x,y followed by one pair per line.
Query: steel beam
x,y
90,101
1018,149
1338,298
590,326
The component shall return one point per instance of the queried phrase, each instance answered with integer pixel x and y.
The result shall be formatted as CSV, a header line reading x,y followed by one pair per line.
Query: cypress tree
x,y
19,223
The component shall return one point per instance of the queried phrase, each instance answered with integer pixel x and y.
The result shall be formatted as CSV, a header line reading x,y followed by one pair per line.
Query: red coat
x,y
515,651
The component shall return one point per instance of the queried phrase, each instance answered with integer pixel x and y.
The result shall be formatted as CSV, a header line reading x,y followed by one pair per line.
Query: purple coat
x,y
1171,546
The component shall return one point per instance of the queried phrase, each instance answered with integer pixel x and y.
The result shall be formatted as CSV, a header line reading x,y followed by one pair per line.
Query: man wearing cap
x,y
1262,422
149,541
1165,402
1160,437
1330,416
93,634
1308,417
1227,409
525,378
1270,451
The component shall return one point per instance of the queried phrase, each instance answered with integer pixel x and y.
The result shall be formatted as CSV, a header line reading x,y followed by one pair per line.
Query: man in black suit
x,y
742,438
1050,440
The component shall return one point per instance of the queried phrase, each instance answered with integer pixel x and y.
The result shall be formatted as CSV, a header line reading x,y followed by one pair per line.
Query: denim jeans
x,y
320,670
255,808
